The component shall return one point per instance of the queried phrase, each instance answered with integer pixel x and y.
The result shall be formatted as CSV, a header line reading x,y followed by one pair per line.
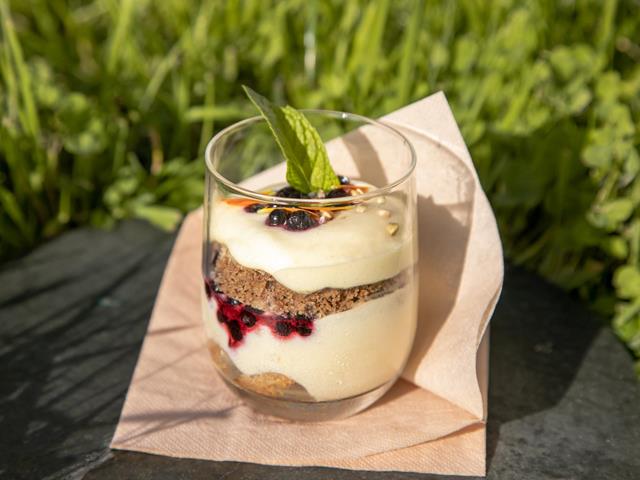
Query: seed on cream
x,y
384,213
392,228
325,217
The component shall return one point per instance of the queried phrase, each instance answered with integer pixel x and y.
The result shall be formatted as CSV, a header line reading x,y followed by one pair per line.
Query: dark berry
x,y
254,207
235,330
337,192
288,192
222,318
304,324
276,217
300,220
344,180
283,328
208,289
254,310
304,330
248,319
233,301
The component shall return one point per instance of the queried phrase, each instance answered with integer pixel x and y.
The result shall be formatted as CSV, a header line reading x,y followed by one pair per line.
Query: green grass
x,y
107,106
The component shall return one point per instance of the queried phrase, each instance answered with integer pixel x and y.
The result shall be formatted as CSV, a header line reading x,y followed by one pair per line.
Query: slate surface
x,y
564,402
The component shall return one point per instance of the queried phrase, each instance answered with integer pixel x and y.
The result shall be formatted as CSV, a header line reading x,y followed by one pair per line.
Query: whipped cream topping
x,y
355,248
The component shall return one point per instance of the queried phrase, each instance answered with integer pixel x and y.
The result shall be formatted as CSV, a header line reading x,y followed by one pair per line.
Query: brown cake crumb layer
x,y
261,290
269,384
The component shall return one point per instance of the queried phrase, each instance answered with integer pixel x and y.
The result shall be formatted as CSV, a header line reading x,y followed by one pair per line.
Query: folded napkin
x,y
432,421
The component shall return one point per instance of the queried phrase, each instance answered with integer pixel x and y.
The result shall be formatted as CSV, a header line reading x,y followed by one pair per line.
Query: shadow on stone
x,y
539,337
70,333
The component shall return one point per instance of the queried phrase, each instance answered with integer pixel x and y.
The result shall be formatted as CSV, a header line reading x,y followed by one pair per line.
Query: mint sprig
x,y
308,166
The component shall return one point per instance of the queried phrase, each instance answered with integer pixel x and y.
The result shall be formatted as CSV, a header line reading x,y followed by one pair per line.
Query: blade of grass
x,y
408,57
310,41
226,113
348,19
606,27
207,124
124,18
367,45
160,73
31,120
12,208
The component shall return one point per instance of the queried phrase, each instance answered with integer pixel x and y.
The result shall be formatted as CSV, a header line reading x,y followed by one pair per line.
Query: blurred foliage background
x,y
107,104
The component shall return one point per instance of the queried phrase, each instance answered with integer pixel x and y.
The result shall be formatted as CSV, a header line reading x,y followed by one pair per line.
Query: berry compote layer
x,y
310,302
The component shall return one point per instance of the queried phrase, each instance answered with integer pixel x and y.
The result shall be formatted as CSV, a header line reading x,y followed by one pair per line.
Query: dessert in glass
x,y
309,299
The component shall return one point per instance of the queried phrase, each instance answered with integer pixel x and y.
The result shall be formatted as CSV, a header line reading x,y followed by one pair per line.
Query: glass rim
x,y
245,192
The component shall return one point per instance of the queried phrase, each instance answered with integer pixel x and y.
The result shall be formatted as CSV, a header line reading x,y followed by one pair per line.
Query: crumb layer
x,y
262,291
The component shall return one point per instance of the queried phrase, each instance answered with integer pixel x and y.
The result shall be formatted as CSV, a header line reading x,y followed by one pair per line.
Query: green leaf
x,y
610,214
627,281
308,167
616,247
166,218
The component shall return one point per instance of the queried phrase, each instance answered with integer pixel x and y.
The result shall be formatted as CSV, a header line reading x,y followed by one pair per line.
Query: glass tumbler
x,y
310,301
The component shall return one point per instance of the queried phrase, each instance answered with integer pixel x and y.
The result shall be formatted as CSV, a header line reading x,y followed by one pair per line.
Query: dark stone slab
x,y
564,402
72,318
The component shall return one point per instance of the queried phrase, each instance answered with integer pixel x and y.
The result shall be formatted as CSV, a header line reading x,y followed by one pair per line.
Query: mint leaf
x,y
308,167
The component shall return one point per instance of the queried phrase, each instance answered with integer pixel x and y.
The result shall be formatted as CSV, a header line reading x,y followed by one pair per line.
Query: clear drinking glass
x,y
309,304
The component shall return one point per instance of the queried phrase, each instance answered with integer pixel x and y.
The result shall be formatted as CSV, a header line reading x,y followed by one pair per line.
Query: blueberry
x,y
233,301
254,310
304,324
235,330
208,289
248,319
337,192
304,330
288,192
344,180
254,207
276,217
300,220
222,318
283,328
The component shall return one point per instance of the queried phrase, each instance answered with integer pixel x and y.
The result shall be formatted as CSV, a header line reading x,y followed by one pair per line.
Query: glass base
x,y
309,411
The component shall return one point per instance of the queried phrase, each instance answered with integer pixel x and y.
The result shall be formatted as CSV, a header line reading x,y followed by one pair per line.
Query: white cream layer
x,y
347,354
353,249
